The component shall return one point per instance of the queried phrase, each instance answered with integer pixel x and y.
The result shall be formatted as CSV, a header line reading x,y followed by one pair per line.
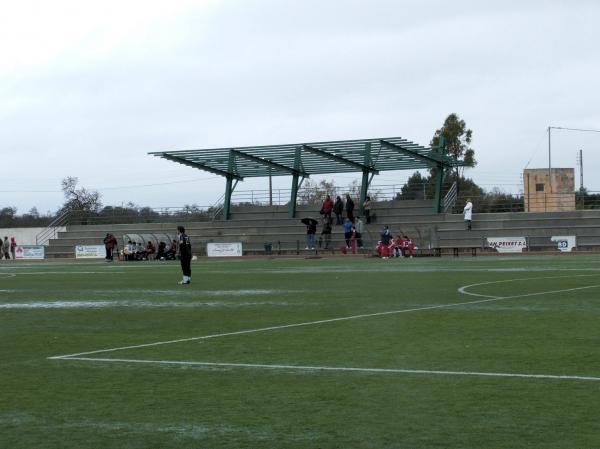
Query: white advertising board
x,y
224,249
565,243
90,252
507,244
29,252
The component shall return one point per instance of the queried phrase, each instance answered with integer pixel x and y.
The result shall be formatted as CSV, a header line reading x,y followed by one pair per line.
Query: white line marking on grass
x,y
464,288
343,369
75,304
312,323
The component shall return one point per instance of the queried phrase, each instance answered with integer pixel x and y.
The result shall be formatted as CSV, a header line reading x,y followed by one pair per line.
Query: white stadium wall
x,y
25,236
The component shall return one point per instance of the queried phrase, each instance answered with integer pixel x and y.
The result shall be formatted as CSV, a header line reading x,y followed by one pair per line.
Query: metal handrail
x,y
50,231
451,196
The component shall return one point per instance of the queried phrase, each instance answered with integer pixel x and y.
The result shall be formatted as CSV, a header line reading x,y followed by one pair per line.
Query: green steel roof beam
x,y
271,164
421,157
199,166
336,158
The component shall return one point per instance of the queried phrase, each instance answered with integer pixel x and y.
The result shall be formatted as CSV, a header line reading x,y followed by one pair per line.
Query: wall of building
x,y
544,193
25,236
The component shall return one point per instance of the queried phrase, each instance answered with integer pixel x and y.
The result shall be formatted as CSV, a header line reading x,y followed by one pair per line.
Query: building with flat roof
x,y
549,190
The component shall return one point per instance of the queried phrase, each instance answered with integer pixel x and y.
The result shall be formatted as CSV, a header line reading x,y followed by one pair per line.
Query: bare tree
x,y
79,198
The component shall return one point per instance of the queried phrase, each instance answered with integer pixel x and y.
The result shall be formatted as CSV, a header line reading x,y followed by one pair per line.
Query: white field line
x,y
464,288
343,369
312,323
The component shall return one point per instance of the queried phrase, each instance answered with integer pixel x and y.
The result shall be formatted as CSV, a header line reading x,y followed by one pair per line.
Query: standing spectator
x,y
13,248
367,209
349,208
110,242
360,228
326,208
338,208
347,231
172,251
386,239
185,254
161,253
6,248
468,212
326,234
311,230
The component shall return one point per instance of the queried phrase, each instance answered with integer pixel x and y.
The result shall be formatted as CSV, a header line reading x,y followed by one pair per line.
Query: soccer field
x,y
489,352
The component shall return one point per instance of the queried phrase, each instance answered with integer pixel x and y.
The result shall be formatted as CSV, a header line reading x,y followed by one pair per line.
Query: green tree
x,y
415,188
457,141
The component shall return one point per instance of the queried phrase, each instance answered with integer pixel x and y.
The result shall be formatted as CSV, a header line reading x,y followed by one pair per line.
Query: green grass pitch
x,y
488,352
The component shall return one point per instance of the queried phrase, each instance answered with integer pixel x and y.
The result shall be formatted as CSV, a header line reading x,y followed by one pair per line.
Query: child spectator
x,y
399,247
408,246
347,231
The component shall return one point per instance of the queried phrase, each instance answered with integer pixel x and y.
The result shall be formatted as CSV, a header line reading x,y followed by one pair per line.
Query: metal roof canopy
x,y
369,156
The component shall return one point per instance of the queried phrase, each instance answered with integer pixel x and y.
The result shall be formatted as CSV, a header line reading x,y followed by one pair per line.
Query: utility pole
x,y
581,170
550,159
550,149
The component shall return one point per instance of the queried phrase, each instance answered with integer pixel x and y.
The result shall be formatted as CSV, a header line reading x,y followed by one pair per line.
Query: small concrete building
x,y
543,193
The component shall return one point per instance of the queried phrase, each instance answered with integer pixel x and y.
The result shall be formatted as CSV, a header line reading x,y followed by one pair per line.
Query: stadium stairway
x,y
256,225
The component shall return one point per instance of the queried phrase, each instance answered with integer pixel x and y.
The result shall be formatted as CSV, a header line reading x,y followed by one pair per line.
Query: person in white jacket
x,y
468,212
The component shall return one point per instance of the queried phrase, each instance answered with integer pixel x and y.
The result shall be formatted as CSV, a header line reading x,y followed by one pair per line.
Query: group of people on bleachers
x,y
387,247
139,251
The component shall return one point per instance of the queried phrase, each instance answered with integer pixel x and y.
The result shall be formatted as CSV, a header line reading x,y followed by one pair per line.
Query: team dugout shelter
x,y
301,160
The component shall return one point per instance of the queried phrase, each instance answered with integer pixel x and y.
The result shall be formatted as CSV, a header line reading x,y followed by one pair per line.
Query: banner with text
x,y
29,252
507,244
90,252
565,243
224,249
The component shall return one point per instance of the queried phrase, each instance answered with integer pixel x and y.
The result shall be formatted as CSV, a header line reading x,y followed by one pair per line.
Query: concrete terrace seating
x,y
256,225
537,228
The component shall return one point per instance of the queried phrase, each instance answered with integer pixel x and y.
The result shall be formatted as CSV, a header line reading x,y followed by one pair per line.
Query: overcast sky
x,y
87,89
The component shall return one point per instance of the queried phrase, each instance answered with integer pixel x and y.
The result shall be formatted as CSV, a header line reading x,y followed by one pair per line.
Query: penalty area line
x,y
340,369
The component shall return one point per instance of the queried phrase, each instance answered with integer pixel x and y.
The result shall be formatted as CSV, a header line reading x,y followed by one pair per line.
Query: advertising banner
x,y
29,252
565,243
224,249
507,244
90,252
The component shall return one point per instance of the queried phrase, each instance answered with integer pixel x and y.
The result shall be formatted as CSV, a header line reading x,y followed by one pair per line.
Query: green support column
x,y
294,196
439,183
364,186
439,180
229,187
295,183
364,189
228,192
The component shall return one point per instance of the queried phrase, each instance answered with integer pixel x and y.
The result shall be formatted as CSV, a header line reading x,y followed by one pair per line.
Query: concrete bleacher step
x,y
255,225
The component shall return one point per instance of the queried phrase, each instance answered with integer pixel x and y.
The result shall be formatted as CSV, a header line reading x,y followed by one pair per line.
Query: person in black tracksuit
x,y
185,253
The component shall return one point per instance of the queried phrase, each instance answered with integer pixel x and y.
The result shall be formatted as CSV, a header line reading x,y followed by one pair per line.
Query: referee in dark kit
x,y
185,254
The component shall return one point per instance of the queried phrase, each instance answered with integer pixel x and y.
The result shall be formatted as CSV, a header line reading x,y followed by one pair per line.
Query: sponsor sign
x,y
507,244
90,252
29,252
565,243
224,249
